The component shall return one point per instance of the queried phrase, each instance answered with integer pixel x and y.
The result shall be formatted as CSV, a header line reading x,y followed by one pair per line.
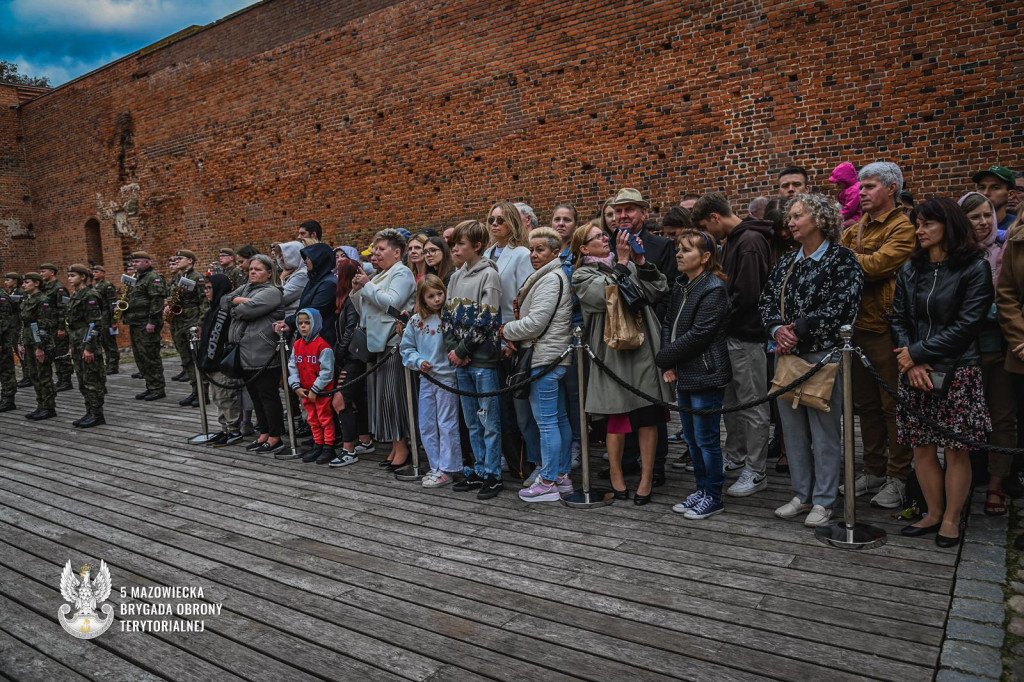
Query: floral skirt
x,y
962,411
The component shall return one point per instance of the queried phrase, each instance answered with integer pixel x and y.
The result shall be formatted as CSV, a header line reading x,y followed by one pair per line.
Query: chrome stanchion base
x,y
857,536
595,497
201,439
410,473
288,453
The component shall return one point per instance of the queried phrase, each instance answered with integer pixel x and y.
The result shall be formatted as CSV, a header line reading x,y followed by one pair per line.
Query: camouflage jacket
x,y
37,309
108,295
237,277
84,309
58,296
146,300
193,303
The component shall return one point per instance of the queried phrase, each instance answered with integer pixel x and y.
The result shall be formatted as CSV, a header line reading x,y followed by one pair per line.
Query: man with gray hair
x,y
528,217
882,239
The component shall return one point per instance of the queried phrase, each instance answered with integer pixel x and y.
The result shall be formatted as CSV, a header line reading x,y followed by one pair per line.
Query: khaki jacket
x,y
1010,296
882,248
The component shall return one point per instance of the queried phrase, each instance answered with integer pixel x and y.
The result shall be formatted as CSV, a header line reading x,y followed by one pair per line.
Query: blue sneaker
x,y
689,503
708,506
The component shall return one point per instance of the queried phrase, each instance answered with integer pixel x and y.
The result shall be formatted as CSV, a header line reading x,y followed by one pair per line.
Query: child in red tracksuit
x,y
310,373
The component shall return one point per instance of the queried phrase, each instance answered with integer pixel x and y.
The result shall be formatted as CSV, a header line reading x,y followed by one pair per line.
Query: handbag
x,y
632,295
816,392
358,346
231,362
623,329
520,373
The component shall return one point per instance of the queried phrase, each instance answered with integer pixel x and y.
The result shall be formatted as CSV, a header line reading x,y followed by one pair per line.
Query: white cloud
x,y
119,16
63,70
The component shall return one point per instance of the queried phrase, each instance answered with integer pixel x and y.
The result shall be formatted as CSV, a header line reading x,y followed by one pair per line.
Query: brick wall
x,y
16,227
373,114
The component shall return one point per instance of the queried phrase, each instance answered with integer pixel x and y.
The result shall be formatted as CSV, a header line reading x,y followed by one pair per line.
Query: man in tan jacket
x,y
882,240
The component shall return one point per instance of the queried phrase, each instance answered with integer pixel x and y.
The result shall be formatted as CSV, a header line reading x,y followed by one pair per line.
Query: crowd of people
x,y
709,308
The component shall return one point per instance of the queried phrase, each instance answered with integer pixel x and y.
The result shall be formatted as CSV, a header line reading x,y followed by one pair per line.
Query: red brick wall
x,y
416,113
16,225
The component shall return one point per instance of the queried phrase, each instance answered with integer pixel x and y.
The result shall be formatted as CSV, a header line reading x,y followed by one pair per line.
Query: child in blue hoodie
x,y
423,350
310,373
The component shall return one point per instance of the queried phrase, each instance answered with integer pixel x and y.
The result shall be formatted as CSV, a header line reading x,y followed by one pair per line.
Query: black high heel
x,y
384,463
621,494
640,500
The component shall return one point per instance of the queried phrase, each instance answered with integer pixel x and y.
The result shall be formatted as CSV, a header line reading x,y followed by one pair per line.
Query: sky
x,y
64,39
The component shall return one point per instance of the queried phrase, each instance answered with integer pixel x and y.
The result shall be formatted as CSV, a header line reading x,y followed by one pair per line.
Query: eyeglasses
x,y
602,236
496,219
431,252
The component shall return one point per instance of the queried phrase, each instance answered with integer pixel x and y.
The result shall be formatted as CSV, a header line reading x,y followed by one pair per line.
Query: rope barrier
x,y
706,412
370,369
236,385
546,369
931,423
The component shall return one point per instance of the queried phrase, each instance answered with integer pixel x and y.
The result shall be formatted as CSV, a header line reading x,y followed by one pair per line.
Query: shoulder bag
x,y
816,392
358,347
623,329
520,373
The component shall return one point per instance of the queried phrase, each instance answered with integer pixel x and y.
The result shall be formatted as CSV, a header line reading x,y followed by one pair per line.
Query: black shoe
x,y
142,396
774,448
471,482
154,395
50,414
640,500
659,479
384,463
92,420
268,449
8,406
180,376
187,401
621,494
326,455
253,446
234,438
313,455
392,468
33,414
24,383
219,440
137,375
303,431
945,541
81,419
490,488
913,531
62,386
111,370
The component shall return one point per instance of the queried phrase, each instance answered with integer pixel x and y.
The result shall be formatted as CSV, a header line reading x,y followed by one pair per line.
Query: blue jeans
x,y
483,418
704,436
548,402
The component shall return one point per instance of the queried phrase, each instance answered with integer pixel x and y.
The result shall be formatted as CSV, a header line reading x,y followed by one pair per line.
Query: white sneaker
x,y
819,516
343,460
362,448
532,478
436,479
576,452
733,470
892,495
748,484
866,483
792,509
689,503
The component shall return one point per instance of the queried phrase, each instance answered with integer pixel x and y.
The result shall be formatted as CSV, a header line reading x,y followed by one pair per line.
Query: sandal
x,y
996,508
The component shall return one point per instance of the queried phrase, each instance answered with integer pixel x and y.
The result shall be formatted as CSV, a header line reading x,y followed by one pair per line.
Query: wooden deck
x,y
350,575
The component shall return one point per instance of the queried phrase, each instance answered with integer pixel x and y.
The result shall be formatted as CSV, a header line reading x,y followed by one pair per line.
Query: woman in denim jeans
x,y
544,321
695,357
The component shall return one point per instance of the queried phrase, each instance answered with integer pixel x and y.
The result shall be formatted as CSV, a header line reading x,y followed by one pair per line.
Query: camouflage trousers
x,y
62,358
179,334
146,349
8,380
92,379
111,356
41,374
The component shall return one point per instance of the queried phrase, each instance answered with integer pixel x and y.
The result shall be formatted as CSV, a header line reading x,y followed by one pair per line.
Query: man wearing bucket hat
x,y
59,297
999,185
192,304
145,318
85,321
108,294
38,332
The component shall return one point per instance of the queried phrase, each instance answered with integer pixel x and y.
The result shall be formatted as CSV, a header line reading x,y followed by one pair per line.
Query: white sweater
x,y
513,268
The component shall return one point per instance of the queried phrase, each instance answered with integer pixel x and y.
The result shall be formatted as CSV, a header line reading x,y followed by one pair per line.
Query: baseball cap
x,y
1001,172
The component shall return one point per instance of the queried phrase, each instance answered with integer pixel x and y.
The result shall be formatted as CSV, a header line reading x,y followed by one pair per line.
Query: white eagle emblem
x,y
86,596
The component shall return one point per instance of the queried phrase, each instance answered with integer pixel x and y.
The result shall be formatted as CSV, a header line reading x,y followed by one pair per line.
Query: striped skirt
x,y
385,393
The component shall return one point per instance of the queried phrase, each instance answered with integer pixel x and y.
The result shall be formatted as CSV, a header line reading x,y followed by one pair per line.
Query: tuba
x,y
122,303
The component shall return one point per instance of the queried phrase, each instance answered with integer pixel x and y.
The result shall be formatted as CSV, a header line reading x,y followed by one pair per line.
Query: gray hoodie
x,y
296,282
473,313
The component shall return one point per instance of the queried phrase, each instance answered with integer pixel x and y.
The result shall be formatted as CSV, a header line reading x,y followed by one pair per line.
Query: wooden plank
x,y
25,664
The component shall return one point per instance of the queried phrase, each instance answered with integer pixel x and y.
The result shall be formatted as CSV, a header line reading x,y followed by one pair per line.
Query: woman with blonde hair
x,y
417,262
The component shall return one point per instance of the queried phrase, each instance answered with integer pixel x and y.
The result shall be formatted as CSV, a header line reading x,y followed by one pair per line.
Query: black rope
x,y
508,389
707,413
928,421
370,369
237,385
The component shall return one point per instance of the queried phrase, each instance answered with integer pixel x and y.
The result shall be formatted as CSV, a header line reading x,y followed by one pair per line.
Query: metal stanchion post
x,y
204,437
290,452
588,497
412,472
848,534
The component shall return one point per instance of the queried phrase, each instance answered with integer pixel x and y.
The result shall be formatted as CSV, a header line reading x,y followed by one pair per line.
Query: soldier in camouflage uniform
x,y
39,324
85,328
226,258
108,295
59,297
145,318
12,285
10,324
193,306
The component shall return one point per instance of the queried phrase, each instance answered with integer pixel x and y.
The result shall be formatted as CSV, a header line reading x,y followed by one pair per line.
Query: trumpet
x,y
122,303
174,307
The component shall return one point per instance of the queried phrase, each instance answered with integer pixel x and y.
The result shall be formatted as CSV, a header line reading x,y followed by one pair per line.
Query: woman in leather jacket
x,y
695,357
349,403
943,296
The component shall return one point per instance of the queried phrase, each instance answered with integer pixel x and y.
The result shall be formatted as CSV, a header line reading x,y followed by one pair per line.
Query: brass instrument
x,y
122,303
174,307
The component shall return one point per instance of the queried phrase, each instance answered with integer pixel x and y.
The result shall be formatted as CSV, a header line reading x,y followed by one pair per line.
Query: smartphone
x,y
938,380
399,315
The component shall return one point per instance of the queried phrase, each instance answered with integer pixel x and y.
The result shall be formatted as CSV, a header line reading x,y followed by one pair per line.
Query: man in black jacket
x,y
746,259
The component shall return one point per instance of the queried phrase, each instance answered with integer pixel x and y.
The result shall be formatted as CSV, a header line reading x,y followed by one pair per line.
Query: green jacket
x,y
146,300
38,309
108,295
9,318
193,303
237,277
58,295
85,308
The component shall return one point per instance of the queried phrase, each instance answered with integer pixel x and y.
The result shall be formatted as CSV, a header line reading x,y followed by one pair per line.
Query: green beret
x,y
98,268
141,255
226,252
185,253
34,276
49,266
80,269
13,275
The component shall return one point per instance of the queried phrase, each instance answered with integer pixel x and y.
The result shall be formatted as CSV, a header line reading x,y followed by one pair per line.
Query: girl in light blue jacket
x,y
423,351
